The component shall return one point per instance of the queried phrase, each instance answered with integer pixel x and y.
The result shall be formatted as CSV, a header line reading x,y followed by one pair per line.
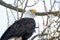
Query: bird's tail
x,y
6,35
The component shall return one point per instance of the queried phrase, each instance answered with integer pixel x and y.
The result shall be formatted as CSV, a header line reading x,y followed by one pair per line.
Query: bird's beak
x,y
33,11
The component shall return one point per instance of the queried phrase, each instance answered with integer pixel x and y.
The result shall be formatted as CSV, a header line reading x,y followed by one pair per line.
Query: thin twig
x,y
46,11
53,5
33,4
24,8
50,10
54,37
12,14
15,2
41,33
47,27
45,6
17,11
43,22
21,3
7,17
43,19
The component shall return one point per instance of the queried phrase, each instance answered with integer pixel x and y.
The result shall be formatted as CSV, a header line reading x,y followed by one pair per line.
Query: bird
x,y
23,27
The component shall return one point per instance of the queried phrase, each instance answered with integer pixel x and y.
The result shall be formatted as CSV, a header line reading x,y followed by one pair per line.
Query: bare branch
x,y
21,2
7,17
24,7
26,4
12,14
10,6
45,6
47,27
21,10
43,19
33,4
58,27
37,36
53,5
17,11
14,2
46,11
54,37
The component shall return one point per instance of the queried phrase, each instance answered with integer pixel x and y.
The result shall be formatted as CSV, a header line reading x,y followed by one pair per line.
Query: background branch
x,y
10,6
24,8
33,4
21,10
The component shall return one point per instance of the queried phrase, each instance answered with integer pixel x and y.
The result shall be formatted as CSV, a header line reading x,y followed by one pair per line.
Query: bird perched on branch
x,y
21,28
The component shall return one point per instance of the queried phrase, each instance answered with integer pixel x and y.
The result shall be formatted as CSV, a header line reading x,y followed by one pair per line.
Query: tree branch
x,y
10,6
21,10
33,4
45,13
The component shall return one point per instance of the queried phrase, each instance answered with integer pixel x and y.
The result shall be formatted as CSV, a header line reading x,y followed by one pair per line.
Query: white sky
x,y
3,17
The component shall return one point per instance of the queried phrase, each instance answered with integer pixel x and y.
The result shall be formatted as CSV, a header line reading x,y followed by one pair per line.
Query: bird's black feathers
x,y
22,28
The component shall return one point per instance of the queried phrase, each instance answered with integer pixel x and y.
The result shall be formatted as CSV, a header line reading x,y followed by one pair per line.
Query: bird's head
x,y
29,13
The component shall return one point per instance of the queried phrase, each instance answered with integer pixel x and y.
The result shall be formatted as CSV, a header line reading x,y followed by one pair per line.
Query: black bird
x,y
21,28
